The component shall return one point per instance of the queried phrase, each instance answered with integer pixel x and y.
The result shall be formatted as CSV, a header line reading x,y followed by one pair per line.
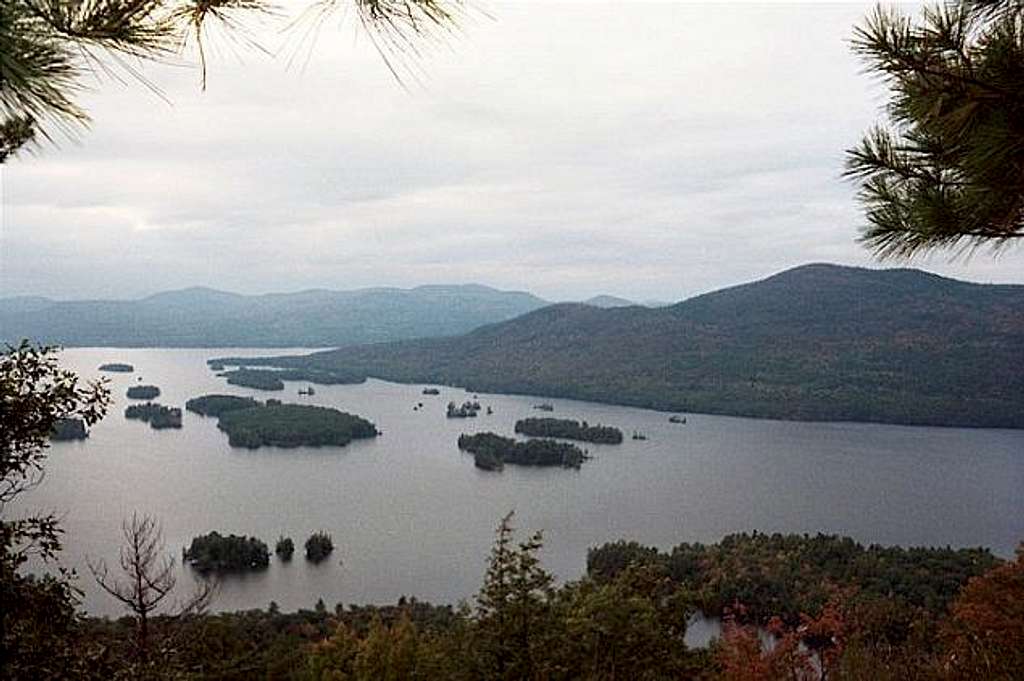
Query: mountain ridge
x,y
817,342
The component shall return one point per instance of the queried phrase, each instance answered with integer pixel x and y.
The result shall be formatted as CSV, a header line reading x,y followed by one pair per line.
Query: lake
x,y
411,515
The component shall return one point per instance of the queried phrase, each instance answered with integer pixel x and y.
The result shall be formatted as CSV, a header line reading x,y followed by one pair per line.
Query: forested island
x,y
215,405
272,379
491,452
69,429
117,367
569,429
467,410
215,552
319,546
157,415
143,392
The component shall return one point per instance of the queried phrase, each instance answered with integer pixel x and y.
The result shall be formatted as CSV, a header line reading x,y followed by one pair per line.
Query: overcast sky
x,y
652,151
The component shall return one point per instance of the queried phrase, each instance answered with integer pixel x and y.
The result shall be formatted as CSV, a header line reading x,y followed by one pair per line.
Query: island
x,y
569,430
318,547
491,452
252,424
68,429
157,415
273,379
284,548
143,392
215,405
215,552
431,391
467,410
117,367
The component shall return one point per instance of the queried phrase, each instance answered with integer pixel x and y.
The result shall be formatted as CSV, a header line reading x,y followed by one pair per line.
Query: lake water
x,y
411,515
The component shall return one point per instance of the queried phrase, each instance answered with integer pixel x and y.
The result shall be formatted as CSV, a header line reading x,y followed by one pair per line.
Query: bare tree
x,y
148,578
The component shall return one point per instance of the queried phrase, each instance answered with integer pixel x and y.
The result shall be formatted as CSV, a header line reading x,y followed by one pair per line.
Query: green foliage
x,y
143,392
157,415
117,367
69,429
254,378
467,409
786,575
37,619
569,430
264,379
946,170
319,546
223,553
293,425
491,450
215,405
815,343
284,548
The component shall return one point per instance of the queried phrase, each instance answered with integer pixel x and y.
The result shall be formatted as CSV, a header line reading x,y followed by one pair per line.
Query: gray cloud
x,y
645,150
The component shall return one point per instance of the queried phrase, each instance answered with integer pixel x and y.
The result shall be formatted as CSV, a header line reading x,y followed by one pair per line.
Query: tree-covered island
x,y
319,546
293,425
273,379
117,368
157,415
569,429
69,429
215,552
492,452
215,405
143,392
467,410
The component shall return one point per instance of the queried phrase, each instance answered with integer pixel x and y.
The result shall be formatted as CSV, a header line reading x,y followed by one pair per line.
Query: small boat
x,y
677,419
307,391
544,407
639,436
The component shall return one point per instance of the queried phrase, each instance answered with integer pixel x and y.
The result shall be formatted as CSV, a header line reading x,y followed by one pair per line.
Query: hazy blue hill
x,y
203,317
818,342
608,301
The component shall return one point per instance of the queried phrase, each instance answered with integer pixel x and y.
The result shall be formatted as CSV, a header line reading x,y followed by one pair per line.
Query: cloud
x,y
647,150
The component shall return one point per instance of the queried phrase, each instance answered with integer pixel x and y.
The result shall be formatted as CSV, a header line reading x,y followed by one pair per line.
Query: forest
x,y
292,425
569,429
214,552
157,415
215,405
492,451
266,379
143,392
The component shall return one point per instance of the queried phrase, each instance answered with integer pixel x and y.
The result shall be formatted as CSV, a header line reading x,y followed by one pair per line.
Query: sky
x,y
647,150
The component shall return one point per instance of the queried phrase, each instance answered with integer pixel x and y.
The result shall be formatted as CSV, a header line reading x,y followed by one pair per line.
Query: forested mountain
x,y
202,317
818,342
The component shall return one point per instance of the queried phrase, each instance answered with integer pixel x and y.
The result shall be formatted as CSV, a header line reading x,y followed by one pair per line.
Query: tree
x,y
37,613
148,580
513,607
947,171
48,47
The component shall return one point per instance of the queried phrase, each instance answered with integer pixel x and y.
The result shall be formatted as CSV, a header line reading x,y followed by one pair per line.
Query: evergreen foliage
x,y
491,451
157,415
569,430
284,548
143,392
292,425
215,405
948,169
69,429
319,546
215,552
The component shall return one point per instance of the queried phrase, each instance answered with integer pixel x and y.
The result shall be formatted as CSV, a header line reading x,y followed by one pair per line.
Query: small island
x,y
545,406
260,379
431,391
215,405
491,452
569,430
143,392
117,368
284,548
215,552
273,379
68,429
468,410
318,547
283,425
157,415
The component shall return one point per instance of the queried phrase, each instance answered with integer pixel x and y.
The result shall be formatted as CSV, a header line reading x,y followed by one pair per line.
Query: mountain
x,y
818,342
608,301
204,317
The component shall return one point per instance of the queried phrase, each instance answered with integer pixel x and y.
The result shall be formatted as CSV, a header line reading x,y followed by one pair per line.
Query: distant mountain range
x,y
204,317
818,342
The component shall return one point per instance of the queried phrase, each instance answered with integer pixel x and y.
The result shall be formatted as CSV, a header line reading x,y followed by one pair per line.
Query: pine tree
x,y
947,171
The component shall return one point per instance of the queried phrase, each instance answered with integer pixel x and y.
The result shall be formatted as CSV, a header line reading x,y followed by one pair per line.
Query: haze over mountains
x,y
818,342
204,317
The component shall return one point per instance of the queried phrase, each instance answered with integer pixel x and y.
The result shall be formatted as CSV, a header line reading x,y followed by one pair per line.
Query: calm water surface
x,y
411,515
